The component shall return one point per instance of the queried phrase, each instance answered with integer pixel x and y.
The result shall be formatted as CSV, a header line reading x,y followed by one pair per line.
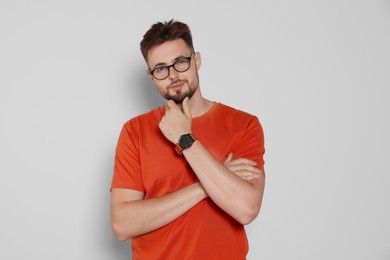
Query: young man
x,y
189,175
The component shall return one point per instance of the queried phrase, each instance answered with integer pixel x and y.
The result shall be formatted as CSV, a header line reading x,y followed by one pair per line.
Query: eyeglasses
x,y
181,65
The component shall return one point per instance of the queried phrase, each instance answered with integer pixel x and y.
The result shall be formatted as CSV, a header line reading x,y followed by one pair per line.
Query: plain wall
x,y
316,73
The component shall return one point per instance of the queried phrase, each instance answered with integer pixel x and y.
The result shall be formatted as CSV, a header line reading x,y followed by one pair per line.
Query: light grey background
x,y
316,73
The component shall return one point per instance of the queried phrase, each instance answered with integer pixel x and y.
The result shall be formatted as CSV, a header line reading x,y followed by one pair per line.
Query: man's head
x,y
165,31
172,63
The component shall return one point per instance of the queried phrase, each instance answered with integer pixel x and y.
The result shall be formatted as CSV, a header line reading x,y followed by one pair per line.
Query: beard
x,y
180,95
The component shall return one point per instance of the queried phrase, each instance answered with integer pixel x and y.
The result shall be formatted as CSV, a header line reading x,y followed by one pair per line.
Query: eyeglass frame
x,y
189,58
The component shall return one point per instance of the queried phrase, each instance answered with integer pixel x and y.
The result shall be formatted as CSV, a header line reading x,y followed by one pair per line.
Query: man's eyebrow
x,y
173,61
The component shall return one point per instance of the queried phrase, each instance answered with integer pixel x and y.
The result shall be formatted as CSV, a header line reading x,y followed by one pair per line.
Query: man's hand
x,y
176,122
244,168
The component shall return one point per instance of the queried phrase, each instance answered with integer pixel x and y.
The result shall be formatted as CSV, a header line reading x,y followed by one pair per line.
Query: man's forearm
x,y
137,217
239,198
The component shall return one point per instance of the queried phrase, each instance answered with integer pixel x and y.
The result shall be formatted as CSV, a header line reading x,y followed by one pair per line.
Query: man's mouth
x,y
177,86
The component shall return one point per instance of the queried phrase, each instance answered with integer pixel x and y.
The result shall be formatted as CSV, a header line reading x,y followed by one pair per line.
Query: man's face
x,y
177,85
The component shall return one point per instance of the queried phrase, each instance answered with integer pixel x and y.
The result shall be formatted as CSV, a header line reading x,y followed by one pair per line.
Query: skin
x,y
236,186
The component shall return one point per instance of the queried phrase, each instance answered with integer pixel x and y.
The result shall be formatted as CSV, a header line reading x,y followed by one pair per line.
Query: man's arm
x,y
132,215
239,198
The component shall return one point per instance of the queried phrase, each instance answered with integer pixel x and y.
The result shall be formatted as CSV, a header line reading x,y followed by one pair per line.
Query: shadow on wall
x,y
100,232
146,95
142,95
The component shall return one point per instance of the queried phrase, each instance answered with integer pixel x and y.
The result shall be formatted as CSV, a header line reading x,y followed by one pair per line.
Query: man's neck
x,y
199,107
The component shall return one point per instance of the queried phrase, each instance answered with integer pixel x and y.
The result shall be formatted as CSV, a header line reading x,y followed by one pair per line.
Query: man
x,y
189,175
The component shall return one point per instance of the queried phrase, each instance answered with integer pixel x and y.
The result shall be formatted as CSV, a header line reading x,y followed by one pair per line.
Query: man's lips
x,y
177,86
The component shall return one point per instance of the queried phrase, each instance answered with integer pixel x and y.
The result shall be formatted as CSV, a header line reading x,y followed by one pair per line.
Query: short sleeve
x,y
127,170
251,145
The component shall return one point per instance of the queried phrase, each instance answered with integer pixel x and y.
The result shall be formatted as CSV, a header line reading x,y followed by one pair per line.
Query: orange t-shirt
x,y
146,161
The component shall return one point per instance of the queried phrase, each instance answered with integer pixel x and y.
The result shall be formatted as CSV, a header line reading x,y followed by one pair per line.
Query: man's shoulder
x,y
147,117
234,112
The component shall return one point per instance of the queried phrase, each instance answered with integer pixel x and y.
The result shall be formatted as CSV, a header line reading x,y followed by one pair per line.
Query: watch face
x,y
186,141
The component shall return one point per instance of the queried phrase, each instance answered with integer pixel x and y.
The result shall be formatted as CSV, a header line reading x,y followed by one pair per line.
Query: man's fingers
x,y
243,168
237,168
248,175
186,109
242,161
229,158
170,104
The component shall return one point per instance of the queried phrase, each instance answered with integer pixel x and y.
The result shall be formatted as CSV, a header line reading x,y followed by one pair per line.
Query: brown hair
x,y
165,31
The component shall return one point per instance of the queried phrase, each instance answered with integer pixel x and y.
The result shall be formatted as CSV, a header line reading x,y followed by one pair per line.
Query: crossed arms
x,y
236,186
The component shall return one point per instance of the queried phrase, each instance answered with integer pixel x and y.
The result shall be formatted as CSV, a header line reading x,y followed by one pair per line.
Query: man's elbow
x,y
251,210
248,215
118,231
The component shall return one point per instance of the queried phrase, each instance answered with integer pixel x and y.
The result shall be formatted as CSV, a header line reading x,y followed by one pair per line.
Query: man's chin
x,y
177,100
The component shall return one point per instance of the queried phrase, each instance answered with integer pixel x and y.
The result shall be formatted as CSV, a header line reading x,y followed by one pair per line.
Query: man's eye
x,y
160,69
181,62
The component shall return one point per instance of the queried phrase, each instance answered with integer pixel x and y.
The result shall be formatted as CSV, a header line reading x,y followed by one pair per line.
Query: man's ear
x,y
198,60
150,75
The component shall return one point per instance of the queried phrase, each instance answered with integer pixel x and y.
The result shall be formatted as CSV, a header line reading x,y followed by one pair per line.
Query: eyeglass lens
x,y
180,66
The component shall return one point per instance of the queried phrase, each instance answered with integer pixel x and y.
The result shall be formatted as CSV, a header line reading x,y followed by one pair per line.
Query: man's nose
x,y
172,73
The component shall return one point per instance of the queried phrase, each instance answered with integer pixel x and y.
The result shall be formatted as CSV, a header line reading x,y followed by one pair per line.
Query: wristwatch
x,y
185,142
